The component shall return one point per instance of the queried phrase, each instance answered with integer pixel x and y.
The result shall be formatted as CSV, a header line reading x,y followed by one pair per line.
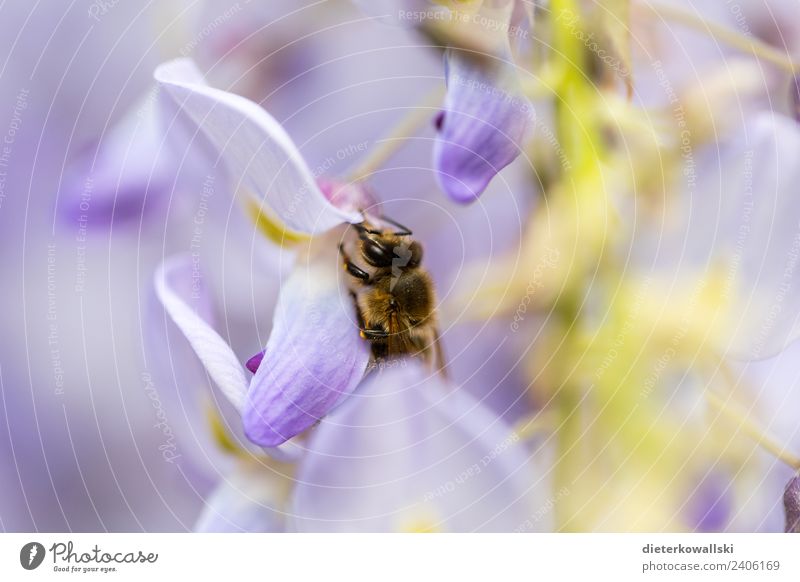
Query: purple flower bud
x,y
791,505
253,363
484,124
438,121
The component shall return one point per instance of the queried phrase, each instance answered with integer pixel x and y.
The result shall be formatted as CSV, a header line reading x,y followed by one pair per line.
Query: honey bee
x,y
393,294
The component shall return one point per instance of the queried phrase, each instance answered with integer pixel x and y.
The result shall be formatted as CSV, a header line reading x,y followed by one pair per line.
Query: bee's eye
x,y
416,254
376,254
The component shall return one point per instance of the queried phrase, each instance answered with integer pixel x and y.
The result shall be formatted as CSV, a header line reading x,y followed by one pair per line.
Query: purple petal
x,y
254,147
409,451
314,357
485,121
174,283
709,509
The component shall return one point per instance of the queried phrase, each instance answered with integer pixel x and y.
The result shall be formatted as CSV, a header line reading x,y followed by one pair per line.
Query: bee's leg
x,y
367,334
351,268
373,334
375,337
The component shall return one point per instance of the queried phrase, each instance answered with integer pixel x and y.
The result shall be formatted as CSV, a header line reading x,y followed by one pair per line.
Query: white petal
x,y
739,220
217,356
254,147
769,278
248,500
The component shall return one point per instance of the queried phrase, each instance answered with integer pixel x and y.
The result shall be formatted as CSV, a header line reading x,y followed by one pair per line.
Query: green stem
x,y
575,108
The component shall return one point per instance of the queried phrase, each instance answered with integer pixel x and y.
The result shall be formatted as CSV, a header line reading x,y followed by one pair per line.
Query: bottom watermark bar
x,y
402,557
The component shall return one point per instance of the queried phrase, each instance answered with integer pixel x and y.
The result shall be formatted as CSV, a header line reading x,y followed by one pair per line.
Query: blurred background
x,y
96,432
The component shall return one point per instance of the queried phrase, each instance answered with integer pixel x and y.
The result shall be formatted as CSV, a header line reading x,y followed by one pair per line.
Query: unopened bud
x,y
791,505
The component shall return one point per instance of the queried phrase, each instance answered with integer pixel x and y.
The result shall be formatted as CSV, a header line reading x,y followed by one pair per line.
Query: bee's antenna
x,y
363,229
359,226
404,230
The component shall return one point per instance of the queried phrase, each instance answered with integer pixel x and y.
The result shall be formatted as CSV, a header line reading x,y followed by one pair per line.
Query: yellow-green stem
x,y
575,103
748,426
725,35
386,147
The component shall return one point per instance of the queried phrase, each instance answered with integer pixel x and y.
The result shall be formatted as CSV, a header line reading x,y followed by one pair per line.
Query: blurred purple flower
x,y
408,452
411,452
113,180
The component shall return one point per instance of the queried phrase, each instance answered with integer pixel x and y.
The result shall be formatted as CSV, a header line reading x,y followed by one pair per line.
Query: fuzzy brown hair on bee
x,y
393,294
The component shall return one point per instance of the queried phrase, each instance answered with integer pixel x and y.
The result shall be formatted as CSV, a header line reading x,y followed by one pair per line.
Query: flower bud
x,y
791,505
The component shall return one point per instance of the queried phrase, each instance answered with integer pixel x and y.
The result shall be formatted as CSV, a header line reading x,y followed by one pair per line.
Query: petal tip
x,y
261,433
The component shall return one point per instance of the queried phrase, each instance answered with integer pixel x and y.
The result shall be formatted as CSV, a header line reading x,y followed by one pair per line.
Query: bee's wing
x,y
429,346
437,356
398,341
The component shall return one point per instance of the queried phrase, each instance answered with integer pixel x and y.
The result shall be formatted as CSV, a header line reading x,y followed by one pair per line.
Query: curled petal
x,y
485,121
215,353
314,357
254,146
409,452
173,283
248,500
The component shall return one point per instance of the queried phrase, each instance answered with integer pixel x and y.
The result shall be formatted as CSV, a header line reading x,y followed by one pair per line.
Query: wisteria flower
x,y
665,253
315,356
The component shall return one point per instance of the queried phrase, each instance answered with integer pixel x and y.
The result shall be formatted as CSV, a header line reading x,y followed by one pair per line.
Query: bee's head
x,y
397,253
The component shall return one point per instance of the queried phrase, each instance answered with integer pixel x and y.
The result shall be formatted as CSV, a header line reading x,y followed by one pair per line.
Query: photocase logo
x,y
31,555
402,256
